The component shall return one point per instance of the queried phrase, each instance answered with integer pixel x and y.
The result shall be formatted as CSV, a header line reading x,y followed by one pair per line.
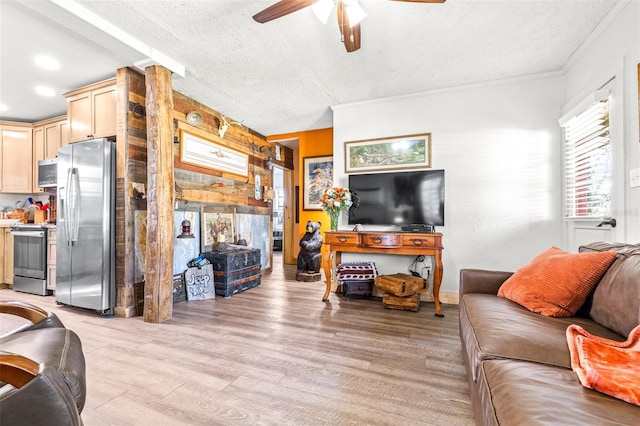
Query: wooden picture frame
x,y
318,175
217,227
205,153
394,153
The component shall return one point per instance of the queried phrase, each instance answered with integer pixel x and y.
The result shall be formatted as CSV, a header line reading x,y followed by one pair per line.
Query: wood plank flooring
x,y
273,355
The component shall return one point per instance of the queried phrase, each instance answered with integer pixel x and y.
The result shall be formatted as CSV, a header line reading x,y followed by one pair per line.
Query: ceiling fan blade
x,y
350,35
280,9
422,1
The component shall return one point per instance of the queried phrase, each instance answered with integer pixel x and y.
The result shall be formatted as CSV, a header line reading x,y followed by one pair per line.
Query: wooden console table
x,y
406,243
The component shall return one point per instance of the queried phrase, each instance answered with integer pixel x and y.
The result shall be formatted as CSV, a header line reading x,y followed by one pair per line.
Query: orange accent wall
x,y
312,143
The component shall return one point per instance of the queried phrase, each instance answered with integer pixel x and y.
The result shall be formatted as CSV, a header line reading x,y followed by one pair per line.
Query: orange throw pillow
x,y
556,283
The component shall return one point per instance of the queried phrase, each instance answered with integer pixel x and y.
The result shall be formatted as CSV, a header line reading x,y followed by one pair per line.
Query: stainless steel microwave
x,y
48,173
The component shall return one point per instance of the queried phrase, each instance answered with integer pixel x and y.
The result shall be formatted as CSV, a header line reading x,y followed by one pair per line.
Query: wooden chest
x,y
401,284
357,278
235,271
407,303
360,288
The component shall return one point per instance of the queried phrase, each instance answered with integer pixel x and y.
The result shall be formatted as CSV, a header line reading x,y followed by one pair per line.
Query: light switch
x,y
634,178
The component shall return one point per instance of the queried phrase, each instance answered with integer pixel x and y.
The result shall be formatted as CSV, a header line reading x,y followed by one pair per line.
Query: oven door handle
x,y
39,234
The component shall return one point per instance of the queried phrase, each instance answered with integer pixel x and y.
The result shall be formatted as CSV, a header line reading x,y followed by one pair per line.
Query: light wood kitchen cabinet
x,y
51,259
48,137
2,259
53,137
64,133
91,111
38,154
16,158
7,262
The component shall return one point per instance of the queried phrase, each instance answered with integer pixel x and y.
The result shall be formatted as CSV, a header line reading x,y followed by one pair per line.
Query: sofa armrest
x,y
481,281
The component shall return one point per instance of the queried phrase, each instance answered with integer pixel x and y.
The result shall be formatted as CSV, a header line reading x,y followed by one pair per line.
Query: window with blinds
x,y
587,163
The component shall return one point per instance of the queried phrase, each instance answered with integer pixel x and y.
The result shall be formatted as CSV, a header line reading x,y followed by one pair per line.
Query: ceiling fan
x,y
349,15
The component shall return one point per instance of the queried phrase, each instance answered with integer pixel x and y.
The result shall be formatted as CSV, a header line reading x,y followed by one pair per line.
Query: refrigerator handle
x,y
64,208
73,206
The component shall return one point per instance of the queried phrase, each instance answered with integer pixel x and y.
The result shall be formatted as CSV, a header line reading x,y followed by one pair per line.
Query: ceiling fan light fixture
x,y
322,9
355,13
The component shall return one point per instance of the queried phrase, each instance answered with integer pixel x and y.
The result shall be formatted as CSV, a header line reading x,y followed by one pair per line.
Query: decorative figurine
x,y
310,257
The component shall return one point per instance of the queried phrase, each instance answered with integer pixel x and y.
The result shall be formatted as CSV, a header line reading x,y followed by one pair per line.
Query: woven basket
x,y
19,214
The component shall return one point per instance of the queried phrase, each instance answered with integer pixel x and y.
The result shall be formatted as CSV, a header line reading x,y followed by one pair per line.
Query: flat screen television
x,y
400,198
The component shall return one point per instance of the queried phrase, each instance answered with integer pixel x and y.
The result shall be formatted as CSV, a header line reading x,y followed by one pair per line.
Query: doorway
x,y
579,231
278,211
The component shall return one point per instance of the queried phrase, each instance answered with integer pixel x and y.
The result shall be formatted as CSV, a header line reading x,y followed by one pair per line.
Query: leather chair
x,y
43,342
37,317
34,394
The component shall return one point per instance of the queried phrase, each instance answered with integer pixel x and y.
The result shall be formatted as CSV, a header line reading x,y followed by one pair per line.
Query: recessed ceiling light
x,y
45,91
47,62
3,107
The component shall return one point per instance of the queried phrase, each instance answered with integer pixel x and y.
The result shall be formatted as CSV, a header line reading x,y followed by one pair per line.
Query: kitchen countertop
x,y
8,223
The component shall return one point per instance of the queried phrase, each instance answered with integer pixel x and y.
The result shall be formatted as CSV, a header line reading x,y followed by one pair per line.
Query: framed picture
x,y
400,152
318,175
205,153
216,227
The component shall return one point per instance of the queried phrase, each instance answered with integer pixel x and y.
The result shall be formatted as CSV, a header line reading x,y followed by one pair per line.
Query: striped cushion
x,y
357,271
556,283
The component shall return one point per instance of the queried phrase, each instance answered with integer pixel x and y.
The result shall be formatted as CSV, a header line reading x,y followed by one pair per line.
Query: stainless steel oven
x,y
30,259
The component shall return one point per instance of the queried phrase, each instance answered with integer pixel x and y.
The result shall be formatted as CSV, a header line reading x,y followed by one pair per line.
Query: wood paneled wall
x,y
204,187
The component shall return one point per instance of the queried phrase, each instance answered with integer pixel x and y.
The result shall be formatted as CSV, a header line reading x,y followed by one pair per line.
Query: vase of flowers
x,y
334,201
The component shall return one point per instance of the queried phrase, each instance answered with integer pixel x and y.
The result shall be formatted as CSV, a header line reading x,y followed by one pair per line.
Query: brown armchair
x,y
37,317
37,356
34,394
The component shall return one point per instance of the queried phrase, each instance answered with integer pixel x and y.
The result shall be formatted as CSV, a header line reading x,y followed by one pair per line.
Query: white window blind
x,y
587,163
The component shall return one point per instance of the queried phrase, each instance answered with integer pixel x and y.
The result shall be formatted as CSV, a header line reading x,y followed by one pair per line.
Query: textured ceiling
x,y
283,76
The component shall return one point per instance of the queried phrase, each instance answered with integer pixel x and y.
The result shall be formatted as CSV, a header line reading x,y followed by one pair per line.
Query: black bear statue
x,y
310,256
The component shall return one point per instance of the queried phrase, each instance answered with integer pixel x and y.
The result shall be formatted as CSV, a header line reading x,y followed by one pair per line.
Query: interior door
x,y
578,232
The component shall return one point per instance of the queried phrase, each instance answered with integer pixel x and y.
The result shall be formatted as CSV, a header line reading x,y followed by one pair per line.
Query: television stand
x,y
405,243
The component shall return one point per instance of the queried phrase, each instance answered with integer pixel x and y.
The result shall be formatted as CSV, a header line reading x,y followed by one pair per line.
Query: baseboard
x,y
448,297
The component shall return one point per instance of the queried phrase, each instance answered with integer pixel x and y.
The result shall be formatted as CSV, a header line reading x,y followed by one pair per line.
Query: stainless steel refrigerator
x,y
85,251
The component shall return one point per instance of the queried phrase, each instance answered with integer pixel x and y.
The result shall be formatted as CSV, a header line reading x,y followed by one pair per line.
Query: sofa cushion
x,y
616,300
556,283
526,393
59,348
495,328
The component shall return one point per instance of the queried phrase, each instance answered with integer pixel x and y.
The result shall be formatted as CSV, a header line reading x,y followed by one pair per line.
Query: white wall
x,y
613,51
499,145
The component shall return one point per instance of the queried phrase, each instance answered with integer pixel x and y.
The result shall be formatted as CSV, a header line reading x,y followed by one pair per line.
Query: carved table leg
x,y
437,280
328,273
335,257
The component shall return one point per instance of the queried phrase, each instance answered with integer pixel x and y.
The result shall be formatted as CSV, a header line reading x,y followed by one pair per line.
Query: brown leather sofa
x,y
42,370
518,362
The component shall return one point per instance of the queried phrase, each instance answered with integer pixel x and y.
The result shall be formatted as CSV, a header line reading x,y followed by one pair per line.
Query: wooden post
x,y
158,291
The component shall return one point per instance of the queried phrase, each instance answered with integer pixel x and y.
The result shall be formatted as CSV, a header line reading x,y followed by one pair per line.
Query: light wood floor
x,y
273,355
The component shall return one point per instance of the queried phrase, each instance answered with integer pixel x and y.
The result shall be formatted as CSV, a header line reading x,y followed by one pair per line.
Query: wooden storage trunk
x,y
356,278
235,271
360,288
407,303
401,284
